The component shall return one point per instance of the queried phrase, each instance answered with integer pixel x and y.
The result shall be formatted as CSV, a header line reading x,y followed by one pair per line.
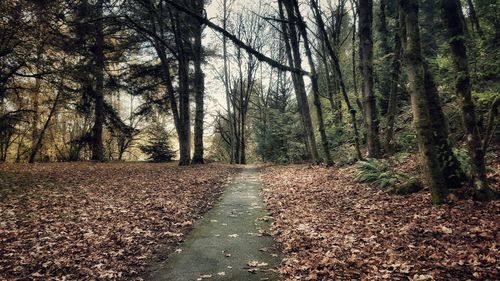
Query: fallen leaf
x,y
446,230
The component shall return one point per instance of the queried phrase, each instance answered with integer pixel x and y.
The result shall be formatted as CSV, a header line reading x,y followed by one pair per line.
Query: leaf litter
x,y
88,221
332,228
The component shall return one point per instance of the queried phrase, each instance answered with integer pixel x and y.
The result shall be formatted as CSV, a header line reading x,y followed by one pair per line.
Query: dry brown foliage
x,y
87,221
332,228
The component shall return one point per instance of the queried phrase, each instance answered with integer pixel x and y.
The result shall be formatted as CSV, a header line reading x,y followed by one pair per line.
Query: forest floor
x,y
67,221
332,228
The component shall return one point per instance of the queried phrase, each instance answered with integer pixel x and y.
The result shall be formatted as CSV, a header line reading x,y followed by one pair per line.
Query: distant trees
x,y
95,44
278,130
240,79
175,35
27,72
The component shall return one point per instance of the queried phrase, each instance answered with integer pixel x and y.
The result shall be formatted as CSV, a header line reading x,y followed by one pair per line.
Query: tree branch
x,y
238,42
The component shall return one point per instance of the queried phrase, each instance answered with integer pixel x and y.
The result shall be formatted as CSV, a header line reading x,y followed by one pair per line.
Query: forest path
x,y
226,243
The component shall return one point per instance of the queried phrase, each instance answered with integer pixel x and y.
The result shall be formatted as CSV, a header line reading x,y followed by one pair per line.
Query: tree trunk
x,y
288,51
331,90
199,88
243,156
40,16
354,74
336,66
36,104
369,102
240,107
182,43
384,74
315,86
421,114
473,17
453,173
98,92
452,16
184,113
299,84
490,127
227,86
39,141
242,114
394,82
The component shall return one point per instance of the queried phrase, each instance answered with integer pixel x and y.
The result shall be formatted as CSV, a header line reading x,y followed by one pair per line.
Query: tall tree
x,y
227,83
199,84
354,4
165,27
383,69
452,16
98,88
366,53
295,61
314,81
394,86
182,44
336,66
430,36
421,115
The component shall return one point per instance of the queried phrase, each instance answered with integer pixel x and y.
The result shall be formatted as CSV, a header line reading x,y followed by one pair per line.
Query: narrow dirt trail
x,y
226,243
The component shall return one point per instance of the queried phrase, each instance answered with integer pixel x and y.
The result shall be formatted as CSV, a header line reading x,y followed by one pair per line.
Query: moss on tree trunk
x,y
421,114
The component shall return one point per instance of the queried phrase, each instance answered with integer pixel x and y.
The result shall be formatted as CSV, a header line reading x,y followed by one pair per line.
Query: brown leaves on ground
x,y
86,221
332,228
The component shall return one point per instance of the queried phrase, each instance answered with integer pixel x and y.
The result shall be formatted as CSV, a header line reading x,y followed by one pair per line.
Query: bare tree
x,y
314,81
295,61
227,83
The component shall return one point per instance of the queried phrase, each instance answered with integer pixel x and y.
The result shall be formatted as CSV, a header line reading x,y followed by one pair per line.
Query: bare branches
x,y
237,41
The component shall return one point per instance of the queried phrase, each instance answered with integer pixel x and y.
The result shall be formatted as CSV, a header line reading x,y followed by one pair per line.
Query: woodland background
x,y
388,108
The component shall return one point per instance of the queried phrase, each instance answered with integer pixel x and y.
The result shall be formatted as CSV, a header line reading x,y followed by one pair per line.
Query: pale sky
x,y
215,92
214,87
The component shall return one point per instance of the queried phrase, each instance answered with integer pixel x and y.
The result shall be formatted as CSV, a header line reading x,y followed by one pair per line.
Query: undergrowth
x,y
378,173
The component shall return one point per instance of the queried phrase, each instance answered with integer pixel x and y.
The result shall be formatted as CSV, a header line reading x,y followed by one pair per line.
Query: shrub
x,y
463,158
377,172
158,148
158,151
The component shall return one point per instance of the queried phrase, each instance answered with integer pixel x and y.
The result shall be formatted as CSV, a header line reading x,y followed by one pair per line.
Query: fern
x,y
376,172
